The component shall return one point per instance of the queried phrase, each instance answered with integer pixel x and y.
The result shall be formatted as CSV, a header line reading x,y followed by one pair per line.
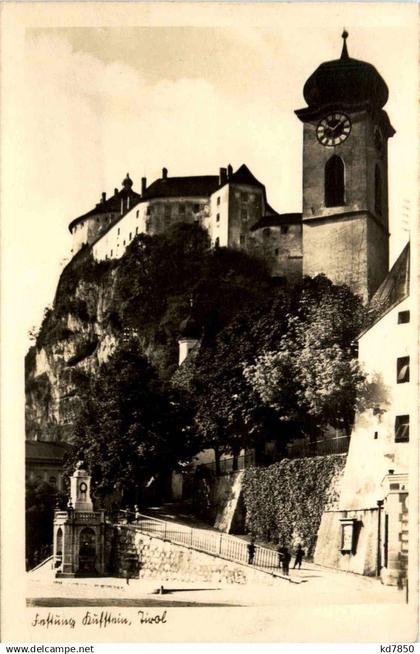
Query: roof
x,y
345,83
395,287
274,219
42,450
243,176
172,187
113,204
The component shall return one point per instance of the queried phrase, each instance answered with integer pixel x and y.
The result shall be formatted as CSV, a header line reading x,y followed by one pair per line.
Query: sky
x,y
89,103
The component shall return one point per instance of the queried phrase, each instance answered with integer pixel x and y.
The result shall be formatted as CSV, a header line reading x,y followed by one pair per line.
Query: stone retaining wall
x,y
163,560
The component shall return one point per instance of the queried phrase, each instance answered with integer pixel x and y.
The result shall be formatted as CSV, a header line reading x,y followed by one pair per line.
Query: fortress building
x,y
343,230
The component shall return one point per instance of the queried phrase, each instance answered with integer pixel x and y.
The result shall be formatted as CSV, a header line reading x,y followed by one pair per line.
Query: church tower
x,y
345,174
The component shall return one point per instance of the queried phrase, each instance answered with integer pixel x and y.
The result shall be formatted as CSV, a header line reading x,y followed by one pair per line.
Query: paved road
x,y
322,587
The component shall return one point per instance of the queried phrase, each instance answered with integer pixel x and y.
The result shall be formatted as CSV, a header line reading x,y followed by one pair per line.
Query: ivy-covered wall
x,y
285,502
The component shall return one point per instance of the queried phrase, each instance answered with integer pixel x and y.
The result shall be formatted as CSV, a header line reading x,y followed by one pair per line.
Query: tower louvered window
x,y
334,182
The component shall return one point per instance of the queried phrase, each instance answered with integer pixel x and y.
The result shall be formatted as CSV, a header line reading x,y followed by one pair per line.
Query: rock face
x,y
78,333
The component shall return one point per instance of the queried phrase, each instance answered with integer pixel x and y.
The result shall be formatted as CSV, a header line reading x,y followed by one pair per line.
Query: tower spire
x,y
344,52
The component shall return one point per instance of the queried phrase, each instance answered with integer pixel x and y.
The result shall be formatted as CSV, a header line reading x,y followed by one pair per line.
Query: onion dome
x,y
127,182
346,81
189,328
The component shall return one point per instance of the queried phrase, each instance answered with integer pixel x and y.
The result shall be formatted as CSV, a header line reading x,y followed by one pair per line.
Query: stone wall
x,y
164,561
328,548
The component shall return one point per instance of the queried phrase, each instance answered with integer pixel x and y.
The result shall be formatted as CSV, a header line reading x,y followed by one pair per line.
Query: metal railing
x,y
210,542
228,465
339,445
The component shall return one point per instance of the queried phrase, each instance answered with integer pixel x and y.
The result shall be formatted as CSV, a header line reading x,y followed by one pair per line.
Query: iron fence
x,y
231,464
210,542
338,445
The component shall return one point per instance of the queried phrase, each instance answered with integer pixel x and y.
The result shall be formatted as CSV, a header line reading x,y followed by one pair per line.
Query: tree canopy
x,y
131,425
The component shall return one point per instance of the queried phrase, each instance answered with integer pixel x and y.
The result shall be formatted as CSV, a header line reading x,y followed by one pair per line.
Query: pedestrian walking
x,y
285,562
251,552
299,556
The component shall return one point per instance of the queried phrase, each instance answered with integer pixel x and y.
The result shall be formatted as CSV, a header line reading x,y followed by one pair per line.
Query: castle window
x,y
244,197
137,230
242,239
130,237
217,217
284,229
403,370
148,211
217,242
378,190
118,231
244,215
218,200
402,429
196,208
334,182
276,252
137,213
403,317
147,225
112,252
123,242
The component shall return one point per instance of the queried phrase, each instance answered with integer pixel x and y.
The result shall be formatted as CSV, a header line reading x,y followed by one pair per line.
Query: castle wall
x,y
217,222
281,247
114,243
151,217
246,207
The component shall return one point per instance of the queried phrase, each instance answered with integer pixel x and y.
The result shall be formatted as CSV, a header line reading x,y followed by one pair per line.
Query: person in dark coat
x,y
251,552
280,555
299,556
285,562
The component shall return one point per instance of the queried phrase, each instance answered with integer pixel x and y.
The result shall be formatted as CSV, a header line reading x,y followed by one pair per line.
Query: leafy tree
x,y
314,376
229,413
40,501
131,426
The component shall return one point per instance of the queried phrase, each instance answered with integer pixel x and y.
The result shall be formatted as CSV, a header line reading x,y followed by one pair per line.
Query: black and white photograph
x,y
210,322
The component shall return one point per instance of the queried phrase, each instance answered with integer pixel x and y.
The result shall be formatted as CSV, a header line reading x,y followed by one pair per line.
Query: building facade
x,y
374,499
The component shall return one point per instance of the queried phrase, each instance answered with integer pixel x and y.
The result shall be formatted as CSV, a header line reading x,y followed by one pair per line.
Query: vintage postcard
x,y
209,322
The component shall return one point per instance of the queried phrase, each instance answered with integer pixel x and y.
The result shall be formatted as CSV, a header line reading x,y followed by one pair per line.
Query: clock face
x,y
333,129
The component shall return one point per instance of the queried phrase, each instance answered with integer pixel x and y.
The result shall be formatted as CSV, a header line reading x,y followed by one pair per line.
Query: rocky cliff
x,y
80,331
146,293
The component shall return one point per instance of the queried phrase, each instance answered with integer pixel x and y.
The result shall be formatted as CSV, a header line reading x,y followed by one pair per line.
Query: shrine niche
x,y
79,532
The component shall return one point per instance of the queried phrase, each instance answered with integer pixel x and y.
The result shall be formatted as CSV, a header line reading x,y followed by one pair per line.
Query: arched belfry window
x,y
378,190
334,182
